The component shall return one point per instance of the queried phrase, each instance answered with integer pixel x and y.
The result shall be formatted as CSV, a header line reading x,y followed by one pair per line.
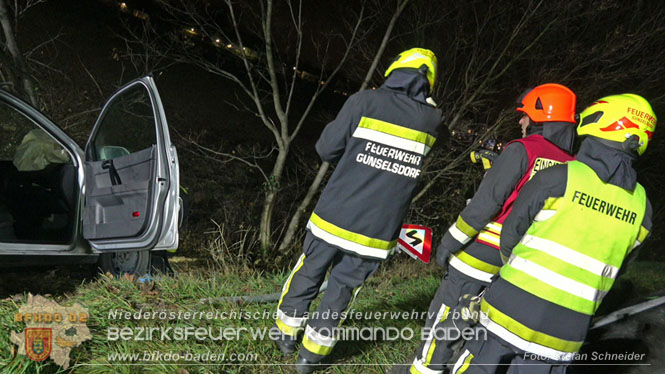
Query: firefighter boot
x,y
303,366
286,344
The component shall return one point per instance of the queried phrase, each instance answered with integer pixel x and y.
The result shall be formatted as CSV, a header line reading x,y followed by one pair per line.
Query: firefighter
x,y
379,140
572,229
548,121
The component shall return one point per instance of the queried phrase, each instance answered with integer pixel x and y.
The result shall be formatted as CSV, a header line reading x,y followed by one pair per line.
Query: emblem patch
x,y
38,343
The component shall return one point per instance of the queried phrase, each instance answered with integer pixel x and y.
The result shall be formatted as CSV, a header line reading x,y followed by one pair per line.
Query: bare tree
x,y
269,78
14,63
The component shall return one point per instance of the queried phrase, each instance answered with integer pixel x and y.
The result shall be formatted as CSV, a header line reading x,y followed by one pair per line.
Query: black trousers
x,y
347,275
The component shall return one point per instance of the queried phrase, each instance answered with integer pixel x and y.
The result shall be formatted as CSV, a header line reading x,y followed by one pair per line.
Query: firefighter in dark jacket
x,y
548,122
572,229
379,141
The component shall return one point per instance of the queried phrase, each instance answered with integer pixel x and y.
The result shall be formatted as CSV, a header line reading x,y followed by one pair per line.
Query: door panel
x,y
117,207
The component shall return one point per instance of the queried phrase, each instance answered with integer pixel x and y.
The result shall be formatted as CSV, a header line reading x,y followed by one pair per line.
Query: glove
x,y
448,245
442,254
470,308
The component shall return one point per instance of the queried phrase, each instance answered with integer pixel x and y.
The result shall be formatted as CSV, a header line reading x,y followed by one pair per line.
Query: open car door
x,y
131,174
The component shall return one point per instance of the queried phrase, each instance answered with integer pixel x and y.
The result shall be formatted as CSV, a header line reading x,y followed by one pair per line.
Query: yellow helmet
x,y
627,119
415,58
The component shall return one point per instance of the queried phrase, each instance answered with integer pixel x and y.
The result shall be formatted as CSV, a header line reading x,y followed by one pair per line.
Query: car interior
x,y
40,202
38,190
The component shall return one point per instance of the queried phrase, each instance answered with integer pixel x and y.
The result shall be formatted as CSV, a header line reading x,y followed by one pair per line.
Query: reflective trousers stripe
x,y
295,322
430,342
317,343
289,325
469,270
463,363
418,368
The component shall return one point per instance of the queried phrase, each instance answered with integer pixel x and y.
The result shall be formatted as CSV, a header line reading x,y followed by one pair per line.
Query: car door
x,y
131,174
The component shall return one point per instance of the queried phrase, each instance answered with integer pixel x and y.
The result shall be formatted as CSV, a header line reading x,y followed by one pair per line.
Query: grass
x,y
399,286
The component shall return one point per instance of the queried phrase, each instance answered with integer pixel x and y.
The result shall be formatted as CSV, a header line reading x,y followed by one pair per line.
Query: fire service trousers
x,y
444,324
347,275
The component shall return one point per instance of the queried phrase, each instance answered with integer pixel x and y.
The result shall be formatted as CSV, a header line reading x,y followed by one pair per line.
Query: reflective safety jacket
x,y
380,139
566,262
539,154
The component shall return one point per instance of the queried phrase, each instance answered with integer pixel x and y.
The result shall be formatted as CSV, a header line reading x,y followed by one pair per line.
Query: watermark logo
x,y
38,343
50,330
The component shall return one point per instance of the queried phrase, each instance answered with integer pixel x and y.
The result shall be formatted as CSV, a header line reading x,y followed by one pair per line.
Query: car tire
x,y
120,263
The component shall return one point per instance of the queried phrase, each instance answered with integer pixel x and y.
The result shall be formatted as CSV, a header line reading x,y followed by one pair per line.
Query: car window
x,y
127,126
25,144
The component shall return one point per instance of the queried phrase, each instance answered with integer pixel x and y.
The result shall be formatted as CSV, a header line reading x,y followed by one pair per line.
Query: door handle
x,y
113,172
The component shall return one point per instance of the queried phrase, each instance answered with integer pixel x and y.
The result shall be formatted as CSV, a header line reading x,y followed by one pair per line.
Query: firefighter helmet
x,y
625,119
550,102
416,58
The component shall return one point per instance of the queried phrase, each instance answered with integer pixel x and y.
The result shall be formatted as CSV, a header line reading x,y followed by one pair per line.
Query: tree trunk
x,y
302,208
272,189
26,84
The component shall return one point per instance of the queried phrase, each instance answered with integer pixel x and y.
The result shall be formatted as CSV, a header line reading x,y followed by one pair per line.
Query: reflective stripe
x,y
394,135
642,236
287,284
556,280
489,237
430,342
465,227
286,329
348,240
396,130
494,226
391,140
317,343
476,263
458,234
553,203
469,270
525,338
418,368
462,363
544,215
570,256
522,344
289,325
636,244
290,321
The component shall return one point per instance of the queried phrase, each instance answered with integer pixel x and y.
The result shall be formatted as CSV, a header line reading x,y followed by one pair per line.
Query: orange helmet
x,y
549,102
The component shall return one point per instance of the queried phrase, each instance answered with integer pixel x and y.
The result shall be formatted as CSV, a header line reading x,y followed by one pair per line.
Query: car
x,y
115,203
